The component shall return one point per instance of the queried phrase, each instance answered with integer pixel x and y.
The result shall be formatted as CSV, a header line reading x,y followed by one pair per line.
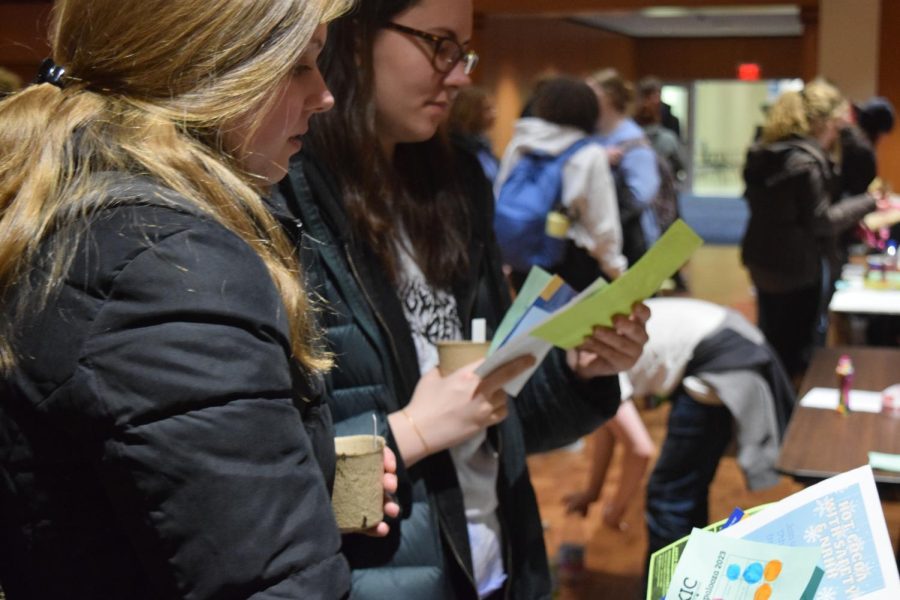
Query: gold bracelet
x,y
418,433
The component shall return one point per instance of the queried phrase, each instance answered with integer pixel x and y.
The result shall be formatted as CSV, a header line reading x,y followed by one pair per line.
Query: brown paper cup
x,y
358,497
455,354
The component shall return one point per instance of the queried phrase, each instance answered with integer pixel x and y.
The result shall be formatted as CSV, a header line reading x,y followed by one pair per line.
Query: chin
x,y
424,132
275,172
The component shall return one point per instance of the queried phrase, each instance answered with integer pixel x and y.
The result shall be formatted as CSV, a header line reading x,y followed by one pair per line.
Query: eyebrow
x,y
443,32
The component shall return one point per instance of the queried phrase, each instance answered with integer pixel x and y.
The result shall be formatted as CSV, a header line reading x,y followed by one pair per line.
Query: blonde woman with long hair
x,y
161,427
796,215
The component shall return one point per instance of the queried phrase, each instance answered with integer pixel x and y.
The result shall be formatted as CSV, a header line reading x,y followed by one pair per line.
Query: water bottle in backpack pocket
x,y
529,220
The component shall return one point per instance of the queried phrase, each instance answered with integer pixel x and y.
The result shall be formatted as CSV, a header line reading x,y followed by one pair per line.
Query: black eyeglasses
x,y
447,51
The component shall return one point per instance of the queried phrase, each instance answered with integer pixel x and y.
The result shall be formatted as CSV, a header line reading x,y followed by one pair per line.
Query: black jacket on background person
x,y
791,247
151,443
796,214
427,554
858,161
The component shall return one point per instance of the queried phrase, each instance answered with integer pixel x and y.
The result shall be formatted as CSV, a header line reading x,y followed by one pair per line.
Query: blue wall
x,y
718,220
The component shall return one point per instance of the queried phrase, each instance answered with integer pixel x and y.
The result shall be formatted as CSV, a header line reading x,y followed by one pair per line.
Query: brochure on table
x,y
827,398
885,461
536,322
841,516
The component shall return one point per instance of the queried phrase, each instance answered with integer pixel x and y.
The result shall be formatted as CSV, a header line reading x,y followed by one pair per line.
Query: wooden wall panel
x,y
848,45
23,37
717,58
889,86
515,52
555,7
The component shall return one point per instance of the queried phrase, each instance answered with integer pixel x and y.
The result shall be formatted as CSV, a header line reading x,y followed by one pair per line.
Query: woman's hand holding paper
x,y
611,350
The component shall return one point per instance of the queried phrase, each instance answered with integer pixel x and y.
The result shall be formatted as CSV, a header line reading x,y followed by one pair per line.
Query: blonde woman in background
x,y
161,428
796,216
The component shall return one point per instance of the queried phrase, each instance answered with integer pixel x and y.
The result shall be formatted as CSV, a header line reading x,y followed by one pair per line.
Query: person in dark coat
x,y
796,216
162,430
859,137
395,232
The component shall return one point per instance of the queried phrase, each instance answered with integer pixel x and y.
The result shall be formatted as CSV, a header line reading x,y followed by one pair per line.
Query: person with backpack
x,y
553,166
635,164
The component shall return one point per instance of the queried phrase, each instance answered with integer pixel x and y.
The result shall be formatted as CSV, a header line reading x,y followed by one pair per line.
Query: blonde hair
x,y
619,92
803,113
149,87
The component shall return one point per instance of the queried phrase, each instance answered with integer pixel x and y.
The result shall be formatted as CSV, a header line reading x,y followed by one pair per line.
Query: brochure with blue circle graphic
x,y
716,567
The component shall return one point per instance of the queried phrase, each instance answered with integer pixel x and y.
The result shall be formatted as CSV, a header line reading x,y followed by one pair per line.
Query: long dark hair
x,y
417,190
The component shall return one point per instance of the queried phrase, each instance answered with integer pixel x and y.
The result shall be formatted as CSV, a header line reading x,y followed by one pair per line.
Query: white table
x,y
854,299
863,300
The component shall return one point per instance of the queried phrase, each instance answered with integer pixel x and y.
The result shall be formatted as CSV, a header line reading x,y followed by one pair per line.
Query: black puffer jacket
x,y
427,554
796,214
150,437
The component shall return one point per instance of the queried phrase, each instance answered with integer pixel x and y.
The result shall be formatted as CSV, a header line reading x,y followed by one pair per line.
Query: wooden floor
x,y
614,560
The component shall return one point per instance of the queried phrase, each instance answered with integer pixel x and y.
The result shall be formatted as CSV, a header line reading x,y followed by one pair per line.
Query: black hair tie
x,y
50,72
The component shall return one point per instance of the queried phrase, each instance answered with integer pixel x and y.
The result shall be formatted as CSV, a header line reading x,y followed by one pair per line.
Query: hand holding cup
x,y
365,476
445,411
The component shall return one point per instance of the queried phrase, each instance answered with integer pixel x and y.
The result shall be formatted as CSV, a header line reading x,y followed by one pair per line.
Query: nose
x,y
326,101
457,76
320,98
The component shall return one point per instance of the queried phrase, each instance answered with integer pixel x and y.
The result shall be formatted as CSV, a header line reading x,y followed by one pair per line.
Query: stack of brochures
x,y
547,312
827,542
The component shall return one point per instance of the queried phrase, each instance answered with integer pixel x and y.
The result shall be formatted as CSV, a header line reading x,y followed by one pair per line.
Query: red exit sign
x,y
748,71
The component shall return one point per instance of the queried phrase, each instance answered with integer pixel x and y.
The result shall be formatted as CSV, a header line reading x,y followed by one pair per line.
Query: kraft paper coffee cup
x,y
458,353
358,497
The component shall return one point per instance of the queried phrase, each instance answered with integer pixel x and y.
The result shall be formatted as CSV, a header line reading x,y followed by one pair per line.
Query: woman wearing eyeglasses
x,y
397,239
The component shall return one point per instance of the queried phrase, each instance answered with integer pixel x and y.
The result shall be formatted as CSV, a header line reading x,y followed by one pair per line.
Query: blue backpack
x,y
533,189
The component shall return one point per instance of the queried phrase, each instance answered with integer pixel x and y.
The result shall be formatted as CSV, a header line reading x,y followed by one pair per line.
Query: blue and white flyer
x,y
841,515
716,567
